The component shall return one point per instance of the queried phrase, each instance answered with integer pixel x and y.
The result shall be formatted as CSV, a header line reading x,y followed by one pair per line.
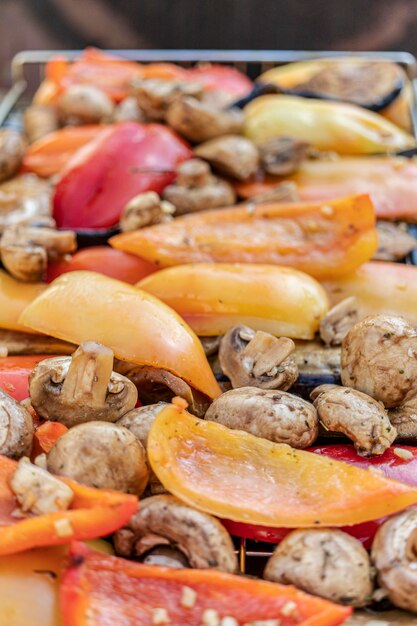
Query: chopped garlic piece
x,y
63,527
37,491
264,622
288,608
229,621
160,616
405,455
188,597
210,617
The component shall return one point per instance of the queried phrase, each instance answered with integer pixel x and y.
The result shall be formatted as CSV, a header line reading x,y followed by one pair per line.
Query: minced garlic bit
x,y
37,491
229,621
41,461
289,608
376,622
405,455
210,617
188,597
160,616
264,622
63,527
3,350
327,210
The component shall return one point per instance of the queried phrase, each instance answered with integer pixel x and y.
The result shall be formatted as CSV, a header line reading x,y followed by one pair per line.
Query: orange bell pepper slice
x,y
391,182
379,287
48,156
14,298
98,590
46,436
323,240
236,476
85,306
93,513
213,297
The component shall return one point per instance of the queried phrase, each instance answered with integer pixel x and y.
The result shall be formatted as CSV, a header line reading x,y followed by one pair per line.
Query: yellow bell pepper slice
x,y
85,306
14,298
326,125
379,287
236,476
214,297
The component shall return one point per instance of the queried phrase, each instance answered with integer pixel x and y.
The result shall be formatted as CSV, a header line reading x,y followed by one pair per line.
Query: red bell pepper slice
x,y
14,374
124,160
98,590
93,513
105,260
389,463
221,77
46,436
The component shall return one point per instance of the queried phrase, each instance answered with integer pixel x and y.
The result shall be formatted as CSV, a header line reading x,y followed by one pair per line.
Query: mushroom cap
x,y
358,416
232,155
12,149
394,554
16,428
274,415
102,455
257,359
85,104
139,421
165,520
325,562
379,358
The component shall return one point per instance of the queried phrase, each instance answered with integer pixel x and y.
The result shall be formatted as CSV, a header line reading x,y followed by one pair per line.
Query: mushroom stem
x,y
88,375
266,352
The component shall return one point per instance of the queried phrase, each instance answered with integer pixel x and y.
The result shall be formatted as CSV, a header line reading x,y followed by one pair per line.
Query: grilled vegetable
x,y
329,126
14,297
214,297
321,239
84,306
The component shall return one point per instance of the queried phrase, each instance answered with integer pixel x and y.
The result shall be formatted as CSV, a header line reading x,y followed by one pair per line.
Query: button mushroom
x,y
81,388
277,416
24,199
16,428
128,110
156,385
12,148
282,192
25,250
379,358
325,562
101,455
139,421
39,120
84,104
164,520
154,96
197,190
37,491
336,323
394,241
145,209
394,554
257,359
210,344
358,416
281,156
404,419
17,342
231,155
200,121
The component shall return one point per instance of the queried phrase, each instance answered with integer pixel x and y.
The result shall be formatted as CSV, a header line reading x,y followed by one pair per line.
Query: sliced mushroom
x,y
197,190
404,419
84,104
274,415
281,156
394,241
257,359
25,250
198,121
145,209
154,96
17,342
24,199
81,388
16,428
232,155
37,491
324,562
164,520
157,385
39,120
101,455
356,415
128,110
379,357
394,554
12,148
336,323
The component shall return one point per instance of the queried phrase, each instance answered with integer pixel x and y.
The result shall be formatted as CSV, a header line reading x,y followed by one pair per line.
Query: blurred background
x,y
249,24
